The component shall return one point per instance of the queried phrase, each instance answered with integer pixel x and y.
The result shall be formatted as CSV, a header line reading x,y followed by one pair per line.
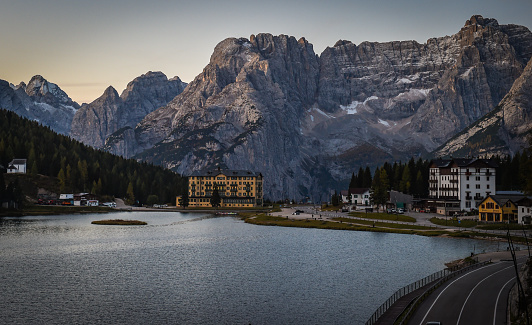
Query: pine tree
x,y
367,178
62,180
404,185
184,199
130,196
215,198
34,170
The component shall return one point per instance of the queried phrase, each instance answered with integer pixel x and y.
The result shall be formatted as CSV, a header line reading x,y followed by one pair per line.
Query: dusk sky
x,y
85,46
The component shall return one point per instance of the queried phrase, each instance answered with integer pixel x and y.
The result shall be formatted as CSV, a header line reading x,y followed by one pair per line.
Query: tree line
x,y
80,168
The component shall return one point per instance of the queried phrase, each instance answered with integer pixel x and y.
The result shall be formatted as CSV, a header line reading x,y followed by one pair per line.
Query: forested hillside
x,y
80,168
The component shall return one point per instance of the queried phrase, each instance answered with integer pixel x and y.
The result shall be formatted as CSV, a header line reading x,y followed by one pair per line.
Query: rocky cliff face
x,y
505,130
95,122
269,104
243,111
40,100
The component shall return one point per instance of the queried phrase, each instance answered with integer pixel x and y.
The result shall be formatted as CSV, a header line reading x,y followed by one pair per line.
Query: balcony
x,y
488,173
468,197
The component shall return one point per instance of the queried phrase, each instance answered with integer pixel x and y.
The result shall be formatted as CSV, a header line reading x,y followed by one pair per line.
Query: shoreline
x,y
341,221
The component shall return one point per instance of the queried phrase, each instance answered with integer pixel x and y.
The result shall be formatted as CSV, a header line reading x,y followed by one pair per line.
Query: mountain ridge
x,y
307,116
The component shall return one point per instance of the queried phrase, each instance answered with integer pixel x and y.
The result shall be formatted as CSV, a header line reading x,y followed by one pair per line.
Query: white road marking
x,y
497,301
428,311
471,292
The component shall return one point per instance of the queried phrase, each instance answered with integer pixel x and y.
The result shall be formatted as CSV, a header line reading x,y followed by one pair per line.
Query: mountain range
x,y
270,104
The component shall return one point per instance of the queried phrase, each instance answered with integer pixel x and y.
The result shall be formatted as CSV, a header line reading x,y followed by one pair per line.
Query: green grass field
x,y
383,216
452,222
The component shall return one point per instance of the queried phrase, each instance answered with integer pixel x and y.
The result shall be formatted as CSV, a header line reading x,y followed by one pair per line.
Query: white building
x,y
356,196
524,211
461,184
17,166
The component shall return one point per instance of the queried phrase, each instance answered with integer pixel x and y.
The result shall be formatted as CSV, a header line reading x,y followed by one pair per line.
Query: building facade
x,y
524,211
498,208
356,196
17,166
237,188
461,184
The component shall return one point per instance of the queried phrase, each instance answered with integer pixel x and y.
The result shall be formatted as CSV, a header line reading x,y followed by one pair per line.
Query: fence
x,y
405,316
443,274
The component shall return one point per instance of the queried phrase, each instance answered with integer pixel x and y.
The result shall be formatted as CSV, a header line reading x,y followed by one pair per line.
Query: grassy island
x,y
119,222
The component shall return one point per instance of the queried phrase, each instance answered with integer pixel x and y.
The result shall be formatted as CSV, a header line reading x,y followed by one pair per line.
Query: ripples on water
x,y
195,269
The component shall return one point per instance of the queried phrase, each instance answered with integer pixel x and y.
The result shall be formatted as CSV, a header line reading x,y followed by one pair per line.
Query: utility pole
x,y
521,292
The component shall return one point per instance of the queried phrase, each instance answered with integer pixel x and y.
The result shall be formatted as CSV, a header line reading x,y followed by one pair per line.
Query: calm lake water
x,y
195,269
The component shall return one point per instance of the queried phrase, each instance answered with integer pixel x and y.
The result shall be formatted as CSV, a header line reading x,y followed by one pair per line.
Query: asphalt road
x,y
477,297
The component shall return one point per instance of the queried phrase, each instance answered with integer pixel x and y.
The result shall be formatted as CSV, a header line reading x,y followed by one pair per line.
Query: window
x,y
488,186
467,185
467,178
477,186
487,178
477,178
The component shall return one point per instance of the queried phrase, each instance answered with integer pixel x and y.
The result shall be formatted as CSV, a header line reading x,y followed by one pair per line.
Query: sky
x,y
86,46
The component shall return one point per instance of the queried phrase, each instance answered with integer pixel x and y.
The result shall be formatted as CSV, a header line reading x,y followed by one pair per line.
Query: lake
x,y
190,268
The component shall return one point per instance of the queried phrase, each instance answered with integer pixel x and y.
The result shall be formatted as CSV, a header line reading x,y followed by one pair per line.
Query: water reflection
x,y
193,268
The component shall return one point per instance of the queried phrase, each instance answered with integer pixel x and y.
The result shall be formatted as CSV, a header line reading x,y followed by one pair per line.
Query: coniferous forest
x,y
80,168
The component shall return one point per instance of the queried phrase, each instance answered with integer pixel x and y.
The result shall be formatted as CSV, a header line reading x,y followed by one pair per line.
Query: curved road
x,y
477,297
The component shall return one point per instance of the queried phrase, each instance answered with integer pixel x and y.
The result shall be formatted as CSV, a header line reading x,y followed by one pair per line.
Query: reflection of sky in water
x,y
193,268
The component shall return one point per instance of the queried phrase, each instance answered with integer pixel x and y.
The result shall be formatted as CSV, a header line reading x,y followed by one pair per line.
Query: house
x,y
499,208
17,166
524,211
66,199
85,199
356,196
460,184
237,188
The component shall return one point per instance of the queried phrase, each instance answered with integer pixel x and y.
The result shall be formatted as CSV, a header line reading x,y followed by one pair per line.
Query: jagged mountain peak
x,y
109,93
42,90
479,20
342,43
111,112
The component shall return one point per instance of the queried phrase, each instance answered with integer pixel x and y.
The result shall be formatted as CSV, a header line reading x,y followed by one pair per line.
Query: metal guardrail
x,y
442,276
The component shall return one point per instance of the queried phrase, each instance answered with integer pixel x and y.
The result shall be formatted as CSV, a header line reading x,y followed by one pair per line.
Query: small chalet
x,y
17,166
356,196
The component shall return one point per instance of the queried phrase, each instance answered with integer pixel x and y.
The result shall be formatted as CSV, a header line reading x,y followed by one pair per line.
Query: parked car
x,y
400,210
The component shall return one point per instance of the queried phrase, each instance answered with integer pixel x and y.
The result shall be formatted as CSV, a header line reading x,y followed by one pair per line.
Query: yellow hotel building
x,y
498,208
237,188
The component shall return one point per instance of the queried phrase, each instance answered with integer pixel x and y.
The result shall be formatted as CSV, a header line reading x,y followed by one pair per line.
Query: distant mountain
x,y
505,130
41,101
95,122
270,104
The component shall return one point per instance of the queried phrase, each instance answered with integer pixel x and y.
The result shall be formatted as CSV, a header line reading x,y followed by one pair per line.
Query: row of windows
x,y
221,183
221,194
222,177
